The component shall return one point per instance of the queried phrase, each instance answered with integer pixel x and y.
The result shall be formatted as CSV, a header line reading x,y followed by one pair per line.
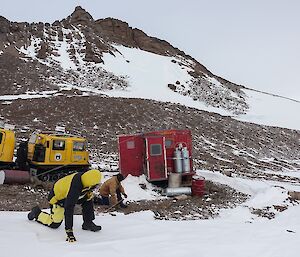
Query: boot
x,y
123,205
91,226
98,200
35,212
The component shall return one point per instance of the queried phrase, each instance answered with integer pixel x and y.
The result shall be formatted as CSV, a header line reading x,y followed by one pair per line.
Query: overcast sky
x,y
255,43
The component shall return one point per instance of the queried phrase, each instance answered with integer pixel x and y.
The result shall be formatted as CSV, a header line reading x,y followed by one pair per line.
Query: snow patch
x,y
135,192
2,177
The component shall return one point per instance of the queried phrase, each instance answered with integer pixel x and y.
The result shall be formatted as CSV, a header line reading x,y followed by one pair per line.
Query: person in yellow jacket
x,y
113,188
76,188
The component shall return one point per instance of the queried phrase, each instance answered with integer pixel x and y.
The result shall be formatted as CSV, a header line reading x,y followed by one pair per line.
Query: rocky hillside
x,y
220,143
38,60
71,51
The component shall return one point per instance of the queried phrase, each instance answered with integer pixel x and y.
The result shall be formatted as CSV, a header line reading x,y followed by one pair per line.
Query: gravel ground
x,y
215,198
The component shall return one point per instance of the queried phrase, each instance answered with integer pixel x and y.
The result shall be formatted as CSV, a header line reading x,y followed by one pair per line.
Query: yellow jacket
x,y
84,182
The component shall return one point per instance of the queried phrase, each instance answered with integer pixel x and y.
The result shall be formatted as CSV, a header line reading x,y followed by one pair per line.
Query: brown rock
x,y
80,16
43,52
172,87
116,30
56,23
294,195
227,173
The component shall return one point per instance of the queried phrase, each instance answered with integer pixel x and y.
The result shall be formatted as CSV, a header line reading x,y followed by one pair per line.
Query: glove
x,y
70,236
89,196
125,195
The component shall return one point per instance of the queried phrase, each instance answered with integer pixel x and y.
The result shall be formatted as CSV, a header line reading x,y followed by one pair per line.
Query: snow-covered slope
x,y
135,73
149,74
271,110
107,56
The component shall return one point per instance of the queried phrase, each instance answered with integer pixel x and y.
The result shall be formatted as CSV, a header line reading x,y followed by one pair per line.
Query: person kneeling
x,y
113,189
76,188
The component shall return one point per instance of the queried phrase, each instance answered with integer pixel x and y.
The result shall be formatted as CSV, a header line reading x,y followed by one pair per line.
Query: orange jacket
x,y
109,187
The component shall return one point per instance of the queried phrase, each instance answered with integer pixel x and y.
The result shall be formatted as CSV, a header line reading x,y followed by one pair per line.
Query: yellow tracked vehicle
x,y
51,155
47,155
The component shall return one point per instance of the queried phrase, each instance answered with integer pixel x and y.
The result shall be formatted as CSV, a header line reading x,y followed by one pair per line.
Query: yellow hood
x,y
91,178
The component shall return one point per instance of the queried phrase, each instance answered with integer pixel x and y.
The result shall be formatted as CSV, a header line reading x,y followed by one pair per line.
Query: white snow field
x,y
235,233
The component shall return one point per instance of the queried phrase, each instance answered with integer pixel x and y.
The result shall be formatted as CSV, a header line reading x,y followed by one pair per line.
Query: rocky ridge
x,y
83,41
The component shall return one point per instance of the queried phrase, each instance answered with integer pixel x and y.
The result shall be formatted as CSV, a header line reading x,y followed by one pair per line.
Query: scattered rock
x,y
280,208
290,231
294,195
181,197
172,87
143,186
227,173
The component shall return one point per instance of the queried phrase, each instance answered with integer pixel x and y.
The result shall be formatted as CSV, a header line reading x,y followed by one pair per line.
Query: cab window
x,y
78,146
58,145
1,136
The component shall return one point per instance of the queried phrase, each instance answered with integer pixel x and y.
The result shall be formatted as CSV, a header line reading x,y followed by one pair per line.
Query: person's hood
x,y
91,178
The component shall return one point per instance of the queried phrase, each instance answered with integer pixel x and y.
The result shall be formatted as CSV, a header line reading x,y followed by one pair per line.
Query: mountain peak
x,y
81,16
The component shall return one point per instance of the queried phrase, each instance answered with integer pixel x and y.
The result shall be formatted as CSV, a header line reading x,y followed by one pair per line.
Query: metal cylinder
x,y
16,177
174,180
198,186
178,191
178,160
186,160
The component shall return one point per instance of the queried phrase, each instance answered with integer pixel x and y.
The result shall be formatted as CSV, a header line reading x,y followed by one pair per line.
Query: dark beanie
x,y
120,177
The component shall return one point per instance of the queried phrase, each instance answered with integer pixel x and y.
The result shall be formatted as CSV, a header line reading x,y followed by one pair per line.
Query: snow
x,y
133,189
236,232
272,110
290,173
135,192
149,74
31,50
62,49
2,177
28,95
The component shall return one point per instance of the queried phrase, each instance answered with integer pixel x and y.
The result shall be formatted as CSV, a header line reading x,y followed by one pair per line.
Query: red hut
x,y
157,154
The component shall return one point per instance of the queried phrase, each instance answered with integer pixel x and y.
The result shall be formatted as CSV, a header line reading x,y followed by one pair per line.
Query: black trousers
x,y
88,211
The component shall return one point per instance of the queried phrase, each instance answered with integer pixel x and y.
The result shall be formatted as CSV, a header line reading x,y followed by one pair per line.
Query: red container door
x,y
130,155
156,158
